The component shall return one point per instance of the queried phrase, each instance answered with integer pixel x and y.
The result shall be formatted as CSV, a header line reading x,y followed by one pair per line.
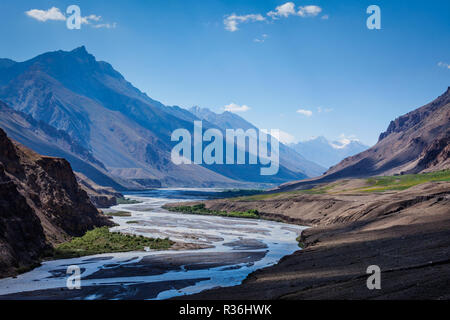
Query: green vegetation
x,y
264,196
380,184
240,192
301,244
373,184
200,209
127,201
23,269
118,214
101,240
257,197
132,222
319,189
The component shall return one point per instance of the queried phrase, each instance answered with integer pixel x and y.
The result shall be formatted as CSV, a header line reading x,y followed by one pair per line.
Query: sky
x,y
308,68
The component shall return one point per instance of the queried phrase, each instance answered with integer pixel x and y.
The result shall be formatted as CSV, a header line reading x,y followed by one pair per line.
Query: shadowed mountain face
x,y
45,139
122,127
288,158
418,141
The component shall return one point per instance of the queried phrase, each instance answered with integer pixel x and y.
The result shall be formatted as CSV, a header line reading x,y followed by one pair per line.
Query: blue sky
x,y
349,80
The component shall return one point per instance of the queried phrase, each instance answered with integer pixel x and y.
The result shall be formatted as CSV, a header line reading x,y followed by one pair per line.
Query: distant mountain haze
x,y
121,127
416,142
327,153
288,158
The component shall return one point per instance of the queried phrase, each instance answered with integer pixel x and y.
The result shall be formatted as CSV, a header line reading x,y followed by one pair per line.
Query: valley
x,y
88,178
405,231
208,252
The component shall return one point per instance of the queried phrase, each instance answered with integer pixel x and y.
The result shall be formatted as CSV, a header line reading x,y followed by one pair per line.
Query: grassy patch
x,y
101,240
200,209
380,184
319,189
301,244
232,193
127,201
23,269
119,214
373,184
284,194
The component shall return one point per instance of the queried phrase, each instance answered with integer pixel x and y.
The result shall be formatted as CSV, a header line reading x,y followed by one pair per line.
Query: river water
x,y
231,249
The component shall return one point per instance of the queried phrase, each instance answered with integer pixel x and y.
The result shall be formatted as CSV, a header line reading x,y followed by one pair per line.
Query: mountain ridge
x,y
122,127
288,158
418,141
45,139
327,153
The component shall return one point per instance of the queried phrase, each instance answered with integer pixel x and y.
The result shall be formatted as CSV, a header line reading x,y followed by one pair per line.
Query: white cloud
x,y
44,15
325,17
304,112
105,25
324,110
309,11
233,107
56,15
288,9
262,39
285,10
88,19
283,136
231,22
444,65
286,138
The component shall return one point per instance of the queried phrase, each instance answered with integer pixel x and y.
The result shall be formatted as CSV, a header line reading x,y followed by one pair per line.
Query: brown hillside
x,y
41,204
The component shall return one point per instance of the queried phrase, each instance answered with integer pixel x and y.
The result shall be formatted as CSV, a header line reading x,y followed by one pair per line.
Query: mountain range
x,y
416,142
328,153
288,158
66,103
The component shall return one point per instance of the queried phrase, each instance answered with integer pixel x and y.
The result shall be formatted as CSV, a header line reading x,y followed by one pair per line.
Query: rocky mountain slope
x,y
328,153
41,204
418,141
100,196
289,159
47,140
123,128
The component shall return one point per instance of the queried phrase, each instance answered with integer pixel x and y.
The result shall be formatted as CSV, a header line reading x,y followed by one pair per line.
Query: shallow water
x,y
234,248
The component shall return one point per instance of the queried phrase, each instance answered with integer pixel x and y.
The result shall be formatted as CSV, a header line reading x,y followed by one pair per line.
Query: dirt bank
x,y
406,233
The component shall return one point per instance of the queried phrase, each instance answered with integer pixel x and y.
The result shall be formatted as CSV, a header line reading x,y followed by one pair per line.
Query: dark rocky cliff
x,y
41,204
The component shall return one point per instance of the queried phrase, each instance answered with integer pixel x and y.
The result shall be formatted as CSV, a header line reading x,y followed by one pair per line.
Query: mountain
x,y
47,140
289,159
100,196
41,204
328,153
123,128
416,142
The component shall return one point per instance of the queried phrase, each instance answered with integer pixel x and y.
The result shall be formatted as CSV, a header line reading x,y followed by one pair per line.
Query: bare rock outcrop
x,y
41,204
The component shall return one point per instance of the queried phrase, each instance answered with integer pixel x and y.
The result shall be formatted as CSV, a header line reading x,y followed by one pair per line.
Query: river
x,y
231,249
